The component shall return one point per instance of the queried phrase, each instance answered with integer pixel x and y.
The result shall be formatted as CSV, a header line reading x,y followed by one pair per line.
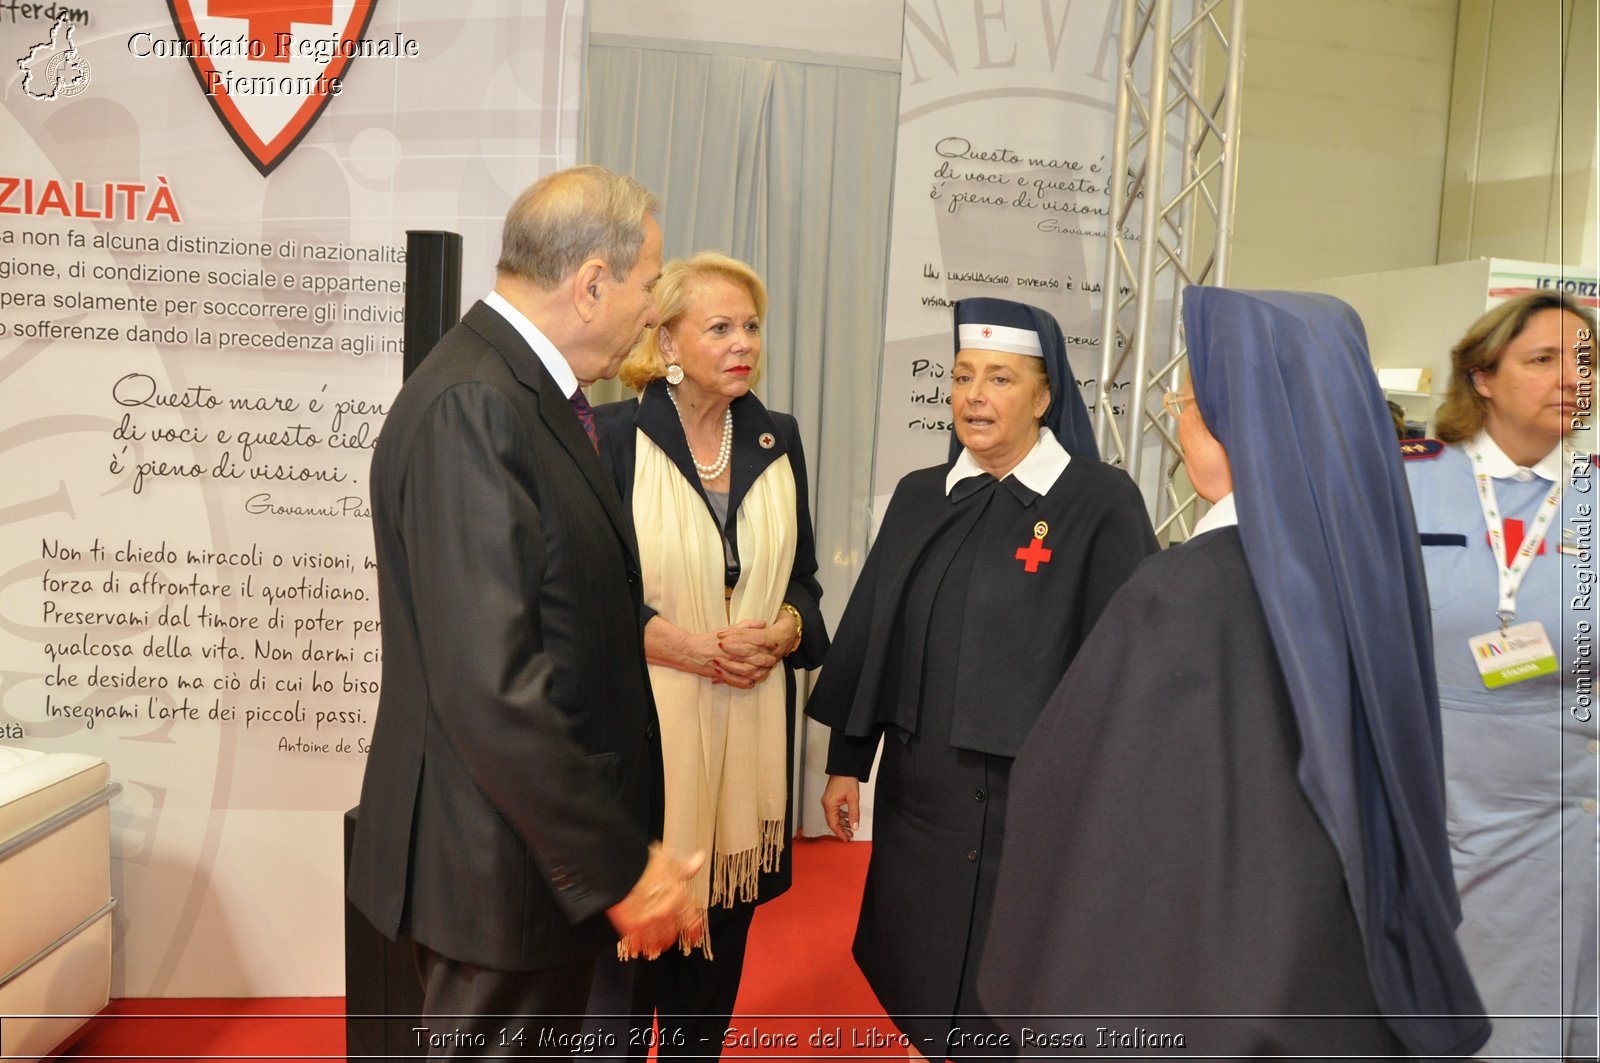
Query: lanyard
x,y
1511,575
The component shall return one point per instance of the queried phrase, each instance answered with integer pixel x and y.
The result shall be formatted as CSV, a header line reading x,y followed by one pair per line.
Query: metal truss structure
x,y
1179,152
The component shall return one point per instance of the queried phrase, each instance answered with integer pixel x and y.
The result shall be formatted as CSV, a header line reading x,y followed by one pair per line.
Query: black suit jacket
x,y
514,777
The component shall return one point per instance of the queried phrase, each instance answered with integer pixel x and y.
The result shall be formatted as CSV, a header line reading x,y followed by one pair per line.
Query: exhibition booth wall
x,y
202,321
202,305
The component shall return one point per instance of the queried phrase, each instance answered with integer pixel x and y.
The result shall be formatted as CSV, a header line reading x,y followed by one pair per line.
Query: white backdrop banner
x,y
203,209
1002,188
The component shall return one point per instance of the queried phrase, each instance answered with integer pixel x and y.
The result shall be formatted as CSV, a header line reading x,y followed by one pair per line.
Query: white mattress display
x,y
55,887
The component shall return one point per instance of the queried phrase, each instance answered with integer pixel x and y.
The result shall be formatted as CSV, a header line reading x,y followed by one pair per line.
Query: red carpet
x,y
802,996
255,1028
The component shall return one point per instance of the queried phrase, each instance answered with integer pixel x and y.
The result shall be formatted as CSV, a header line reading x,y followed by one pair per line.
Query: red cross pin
x,y
1034,554
987,332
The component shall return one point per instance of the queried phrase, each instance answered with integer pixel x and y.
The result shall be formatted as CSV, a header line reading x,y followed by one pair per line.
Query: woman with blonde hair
x,y
716,484
1504,508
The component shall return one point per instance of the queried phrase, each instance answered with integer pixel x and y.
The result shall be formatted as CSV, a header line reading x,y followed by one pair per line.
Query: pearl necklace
x,y
724,452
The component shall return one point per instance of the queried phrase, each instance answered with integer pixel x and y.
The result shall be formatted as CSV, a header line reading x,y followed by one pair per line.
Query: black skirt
x,y
938,823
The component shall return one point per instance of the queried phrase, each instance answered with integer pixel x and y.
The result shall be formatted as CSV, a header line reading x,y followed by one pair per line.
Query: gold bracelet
x,y
799,626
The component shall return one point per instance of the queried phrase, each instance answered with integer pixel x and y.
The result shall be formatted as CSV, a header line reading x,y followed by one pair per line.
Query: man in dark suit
x,y
513,785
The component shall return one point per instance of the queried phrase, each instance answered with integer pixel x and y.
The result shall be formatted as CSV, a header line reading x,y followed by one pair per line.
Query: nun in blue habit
x,y
985,578
1228,826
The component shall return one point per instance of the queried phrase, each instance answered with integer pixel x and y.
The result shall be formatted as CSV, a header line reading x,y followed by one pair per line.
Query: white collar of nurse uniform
x,y
1222,514
1038,472
1551,467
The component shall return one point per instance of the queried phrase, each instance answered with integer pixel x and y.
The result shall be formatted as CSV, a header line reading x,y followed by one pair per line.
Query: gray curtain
x,y
783,160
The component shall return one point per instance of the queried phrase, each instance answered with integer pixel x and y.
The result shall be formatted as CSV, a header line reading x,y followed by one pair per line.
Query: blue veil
x,y
1285,383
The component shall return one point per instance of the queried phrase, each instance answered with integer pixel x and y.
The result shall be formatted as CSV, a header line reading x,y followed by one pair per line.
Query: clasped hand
x,y
741,656
748,651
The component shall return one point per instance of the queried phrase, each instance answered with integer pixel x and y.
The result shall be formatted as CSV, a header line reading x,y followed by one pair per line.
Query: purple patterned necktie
x,y
586,415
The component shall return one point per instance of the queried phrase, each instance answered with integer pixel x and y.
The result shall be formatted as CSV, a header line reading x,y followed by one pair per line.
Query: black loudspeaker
x,y
433,291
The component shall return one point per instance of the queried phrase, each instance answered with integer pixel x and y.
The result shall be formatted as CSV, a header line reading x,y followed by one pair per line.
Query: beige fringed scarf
x,y
724,750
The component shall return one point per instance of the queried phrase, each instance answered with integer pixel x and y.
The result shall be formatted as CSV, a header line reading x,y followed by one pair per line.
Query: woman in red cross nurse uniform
x,y
1516,694
985,578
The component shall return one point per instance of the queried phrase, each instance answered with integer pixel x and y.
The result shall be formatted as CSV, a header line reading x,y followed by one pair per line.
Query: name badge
x,y
1522,653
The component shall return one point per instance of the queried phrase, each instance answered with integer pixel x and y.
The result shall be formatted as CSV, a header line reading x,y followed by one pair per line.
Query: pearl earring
x,y
674,374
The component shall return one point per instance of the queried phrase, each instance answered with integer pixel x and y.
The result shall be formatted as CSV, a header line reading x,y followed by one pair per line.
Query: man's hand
x,y
658,910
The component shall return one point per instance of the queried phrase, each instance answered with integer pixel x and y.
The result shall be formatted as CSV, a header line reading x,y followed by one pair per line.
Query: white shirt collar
x,y
1222,514
1038,471
553,360
1496,464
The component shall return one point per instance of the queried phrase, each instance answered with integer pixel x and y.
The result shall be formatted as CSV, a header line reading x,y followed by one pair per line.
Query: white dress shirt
x,y
553,360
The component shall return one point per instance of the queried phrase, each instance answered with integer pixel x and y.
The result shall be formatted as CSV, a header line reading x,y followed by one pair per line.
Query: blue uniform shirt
x,y
1521,760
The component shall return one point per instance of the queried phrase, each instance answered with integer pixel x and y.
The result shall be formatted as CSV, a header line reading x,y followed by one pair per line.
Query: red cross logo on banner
x,y
270,22
1034,554
297,49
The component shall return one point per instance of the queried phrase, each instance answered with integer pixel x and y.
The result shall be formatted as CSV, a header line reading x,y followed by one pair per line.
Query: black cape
x,y
1162,858
1021,628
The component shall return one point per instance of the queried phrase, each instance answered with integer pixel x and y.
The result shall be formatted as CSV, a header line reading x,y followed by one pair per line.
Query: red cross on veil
x,y
271,18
